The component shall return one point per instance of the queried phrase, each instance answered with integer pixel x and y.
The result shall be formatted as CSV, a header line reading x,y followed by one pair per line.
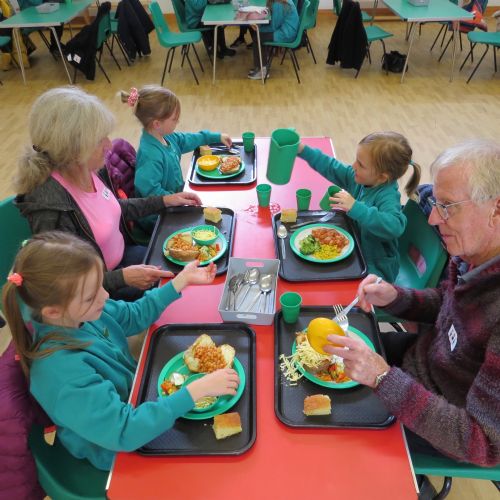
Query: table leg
x,y
412,35
16,33
455,36
260,55
215,53
54,34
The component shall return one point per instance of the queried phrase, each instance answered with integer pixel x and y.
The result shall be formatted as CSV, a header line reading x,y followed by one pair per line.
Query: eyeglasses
x,y
442,208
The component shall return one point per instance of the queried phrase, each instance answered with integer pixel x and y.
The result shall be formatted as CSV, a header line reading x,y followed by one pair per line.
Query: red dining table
x,y
284,463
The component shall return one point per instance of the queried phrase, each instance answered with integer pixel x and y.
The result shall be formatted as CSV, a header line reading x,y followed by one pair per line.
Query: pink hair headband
x,y
133,97
16,279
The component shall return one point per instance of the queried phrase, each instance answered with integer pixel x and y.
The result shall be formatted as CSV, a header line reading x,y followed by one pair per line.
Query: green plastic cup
x,y
282,154
248,141
303,199
290,306
325,201
264,194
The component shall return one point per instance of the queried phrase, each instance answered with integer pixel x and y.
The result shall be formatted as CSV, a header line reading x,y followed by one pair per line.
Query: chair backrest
x,y
422,255
180,14
14,229
103,30
303,18
61,474
161,26
312,14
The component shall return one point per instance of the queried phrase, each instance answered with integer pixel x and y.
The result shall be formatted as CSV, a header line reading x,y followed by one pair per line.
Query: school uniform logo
x,y
106,193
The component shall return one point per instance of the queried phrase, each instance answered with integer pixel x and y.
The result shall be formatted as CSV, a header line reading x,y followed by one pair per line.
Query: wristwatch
x,y
380,377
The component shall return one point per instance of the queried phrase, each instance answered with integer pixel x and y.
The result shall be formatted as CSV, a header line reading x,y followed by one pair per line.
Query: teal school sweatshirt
x,y
377,213
85,392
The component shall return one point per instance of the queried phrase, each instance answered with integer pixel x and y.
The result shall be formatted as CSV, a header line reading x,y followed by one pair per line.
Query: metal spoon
x,y
265,285
232,286
252,279
282,233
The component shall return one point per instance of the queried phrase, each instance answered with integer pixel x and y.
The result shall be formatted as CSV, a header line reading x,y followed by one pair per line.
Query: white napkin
x,y
253,8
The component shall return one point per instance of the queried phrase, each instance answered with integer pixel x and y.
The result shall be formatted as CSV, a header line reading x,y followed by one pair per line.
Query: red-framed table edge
x,y
373,452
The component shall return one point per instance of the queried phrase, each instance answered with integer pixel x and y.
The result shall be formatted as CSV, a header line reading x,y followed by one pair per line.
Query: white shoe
x,y
258,75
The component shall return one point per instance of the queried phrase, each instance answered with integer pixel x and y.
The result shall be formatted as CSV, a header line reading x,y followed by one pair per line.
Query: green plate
x,y
301,233
215,174
176,364
355,333
221,240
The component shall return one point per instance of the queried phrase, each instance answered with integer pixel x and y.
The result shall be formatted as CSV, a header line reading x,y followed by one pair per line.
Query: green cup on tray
x,y
325,201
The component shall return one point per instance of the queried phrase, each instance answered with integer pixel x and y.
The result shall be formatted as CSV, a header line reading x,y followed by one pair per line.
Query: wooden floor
x,y
429,110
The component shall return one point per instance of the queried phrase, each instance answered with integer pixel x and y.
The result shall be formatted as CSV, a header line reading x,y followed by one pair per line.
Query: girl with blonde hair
x,y
59,187
158,168
76,355
370,194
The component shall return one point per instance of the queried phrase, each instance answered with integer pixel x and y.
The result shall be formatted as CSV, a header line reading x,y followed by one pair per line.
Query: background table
x,y
284,463
435,11
224,15
31,18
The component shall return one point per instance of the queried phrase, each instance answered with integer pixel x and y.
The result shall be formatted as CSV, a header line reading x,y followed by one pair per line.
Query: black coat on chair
x,y
81,50
134,26
348,44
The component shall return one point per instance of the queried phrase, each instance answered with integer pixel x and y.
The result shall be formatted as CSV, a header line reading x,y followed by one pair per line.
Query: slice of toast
x,y
227,424
318,404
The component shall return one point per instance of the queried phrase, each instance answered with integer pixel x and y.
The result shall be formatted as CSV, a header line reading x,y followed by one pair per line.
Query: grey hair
x,y
481,157
65,125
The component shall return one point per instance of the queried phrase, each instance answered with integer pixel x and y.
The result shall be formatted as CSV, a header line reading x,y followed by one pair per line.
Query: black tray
x,y
293,268
247,177
357,407
196,437
175,218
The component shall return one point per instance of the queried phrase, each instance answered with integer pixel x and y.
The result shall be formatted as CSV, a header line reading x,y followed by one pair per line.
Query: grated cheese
x,y
304,355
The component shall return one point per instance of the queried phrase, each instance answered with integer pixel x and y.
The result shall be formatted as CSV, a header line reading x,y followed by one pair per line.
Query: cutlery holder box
x,y
254,317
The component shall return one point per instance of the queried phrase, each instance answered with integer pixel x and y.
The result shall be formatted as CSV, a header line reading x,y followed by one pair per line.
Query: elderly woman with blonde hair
x,y
445,386
59,187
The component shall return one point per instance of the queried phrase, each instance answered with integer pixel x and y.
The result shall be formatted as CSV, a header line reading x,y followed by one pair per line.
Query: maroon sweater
x,y
451,397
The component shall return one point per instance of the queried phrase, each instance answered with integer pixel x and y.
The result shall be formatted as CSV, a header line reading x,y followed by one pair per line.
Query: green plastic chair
x,y
115,38
14,229
337,7
312,16
62,476
422,256
180,16
373,34
290,46
103,33
483,38
171,41
442,466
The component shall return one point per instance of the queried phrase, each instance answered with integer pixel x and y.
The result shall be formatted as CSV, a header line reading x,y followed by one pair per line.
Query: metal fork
x,y
340,316
325,218
341,313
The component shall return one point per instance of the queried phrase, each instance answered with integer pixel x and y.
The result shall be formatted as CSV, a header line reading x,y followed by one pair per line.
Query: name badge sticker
x,y
106,193
452,336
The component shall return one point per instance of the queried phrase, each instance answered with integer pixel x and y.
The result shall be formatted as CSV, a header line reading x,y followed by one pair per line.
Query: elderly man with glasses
x,y
445,386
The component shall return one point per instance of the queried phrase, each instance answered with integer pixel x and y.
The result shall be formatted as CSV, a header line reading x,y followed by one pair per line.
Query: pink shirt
x,y
102,211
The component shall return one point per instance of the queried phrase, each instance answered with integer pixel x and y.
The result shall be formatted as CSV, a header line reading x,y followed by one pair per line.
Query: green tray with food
x,y
177,355
174,242
223,169
313,390
318,251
